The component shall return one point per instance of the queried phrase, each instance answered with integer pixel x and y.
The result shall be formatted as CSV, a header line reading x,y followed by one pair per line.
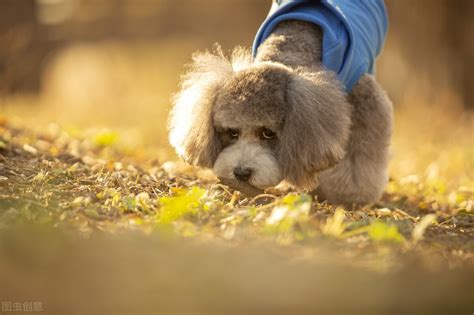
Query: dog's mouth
x,y
241,186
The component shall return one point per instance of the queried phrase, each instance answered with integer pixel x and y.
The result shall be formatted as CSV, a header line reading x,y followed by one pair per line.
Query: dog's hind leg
x,y
362,175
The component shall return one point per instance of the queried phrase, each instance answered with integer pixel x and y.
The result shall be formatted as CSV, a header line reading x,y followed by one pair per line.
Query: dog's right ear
x,y
191,130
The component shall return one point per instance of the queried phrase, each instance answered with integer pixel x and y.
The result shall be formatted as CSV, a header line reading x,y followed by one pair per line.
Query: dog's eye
x,y
267,134
233,133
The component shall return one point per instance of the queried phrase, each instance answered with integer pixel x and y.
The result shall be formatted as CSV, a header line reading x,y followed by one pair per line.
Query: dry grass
x,y
90,180
79,180
80,189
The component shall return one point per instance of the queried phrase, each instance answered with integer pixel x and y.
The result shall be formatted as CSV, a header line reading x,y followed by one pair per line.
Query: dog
x,y
282,115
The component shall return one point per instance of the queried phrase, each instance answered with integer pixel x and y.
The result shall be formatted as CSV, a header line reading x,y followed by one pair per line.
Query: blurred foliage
x,y
105,138
426,48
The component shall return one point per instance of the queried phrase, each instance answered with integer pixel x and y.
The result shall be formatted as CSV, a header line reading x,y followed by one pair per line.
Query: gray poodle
x,y
283,116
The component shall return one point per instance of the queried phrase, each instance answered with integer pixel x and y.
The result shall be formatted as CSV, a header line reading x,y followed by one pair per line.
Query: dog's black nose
x,y
242,173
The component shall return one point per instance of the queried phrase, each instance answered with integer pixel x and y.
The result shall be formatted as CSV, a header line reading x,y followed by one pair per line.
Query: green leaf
x,y
130,203
106,138
380,231
294,200
183,203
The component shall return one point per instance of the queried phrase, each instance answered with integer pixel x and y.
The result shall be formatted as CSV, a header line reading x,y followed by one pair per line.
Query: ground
x,y
83,184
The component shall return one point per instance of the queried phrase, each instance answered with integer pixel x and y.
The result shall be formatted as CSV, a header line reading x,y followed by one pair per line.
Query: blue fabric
x,y
353,32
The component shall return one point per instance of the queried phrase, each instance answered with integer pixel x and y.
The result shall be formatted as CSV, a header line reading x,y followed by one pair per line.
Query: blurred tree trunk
x,y
461,15
20,46
435,39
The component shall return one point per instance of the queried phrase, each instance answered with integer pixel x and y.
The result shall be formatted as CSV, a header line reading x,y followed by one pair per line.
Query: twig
x,y
251,202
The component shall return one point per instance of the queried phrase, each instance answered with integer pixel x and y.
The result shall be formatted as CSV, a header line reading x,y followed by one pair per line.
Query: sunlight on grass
x,y
335,225
421,227
98,159
288,220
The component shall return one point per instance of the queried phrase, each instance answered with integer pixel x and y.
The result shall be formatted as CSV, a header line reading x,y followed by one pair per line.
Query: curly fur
x,y
316,129
191,131
319,130
362,175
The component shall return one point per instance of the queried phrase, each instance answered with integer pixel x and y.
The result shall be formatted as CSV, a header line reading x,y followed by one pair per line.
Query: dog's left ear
x,y
191,131
316,128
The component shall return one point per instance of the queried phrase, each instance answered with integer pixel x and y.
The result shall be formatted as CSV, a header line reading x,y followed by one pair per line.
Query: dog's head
x,y
259,122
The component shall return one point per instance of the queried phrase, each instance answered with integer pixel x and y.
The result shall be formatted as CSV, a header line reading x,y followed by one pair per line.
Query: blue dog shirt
x,y
353,32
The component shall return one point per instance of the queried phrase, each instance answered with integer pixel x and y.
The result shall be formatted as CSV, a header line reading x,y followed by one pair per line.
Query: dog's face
x,y
248,114
259,123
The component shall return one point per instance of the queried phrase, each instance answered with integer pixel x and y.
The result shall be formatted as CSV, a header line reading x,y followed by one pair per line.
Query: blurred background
x,y
116,63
